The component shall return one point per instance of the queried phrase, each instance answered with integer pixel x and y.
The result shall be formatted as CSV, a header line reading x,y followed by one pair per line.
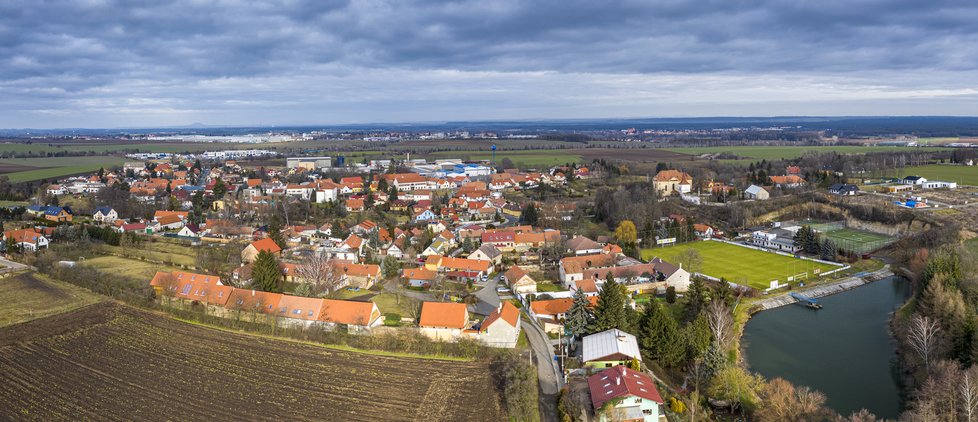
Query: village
x,y
453,250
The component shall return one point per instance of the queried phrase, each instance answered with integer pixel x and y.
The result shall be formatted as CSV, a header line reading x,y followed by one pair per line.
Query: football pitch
x,y
741,265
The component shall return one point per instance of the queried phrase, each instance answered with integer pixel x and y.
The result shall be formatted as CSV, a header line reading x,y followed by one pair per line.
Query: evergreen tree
x,y
266,275
828,250
220,189
658,336
697,337
695,298
610,311
275,232
579,316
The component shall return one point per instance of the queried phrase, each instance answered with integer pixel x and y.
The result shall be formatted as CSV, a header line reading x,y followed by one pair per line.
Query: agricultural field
x,y
30,169
741,265
530,158
29,296
788,152
152,367
963,175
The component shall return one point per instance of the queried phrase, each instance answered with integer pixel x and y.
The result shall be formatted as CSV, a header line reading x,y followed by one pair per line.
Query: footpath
x,y
824,289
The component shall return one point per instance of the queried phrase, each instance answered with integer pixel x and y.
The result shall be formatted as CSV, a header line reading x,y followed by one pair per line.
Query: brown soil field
x,y
13,168
112,362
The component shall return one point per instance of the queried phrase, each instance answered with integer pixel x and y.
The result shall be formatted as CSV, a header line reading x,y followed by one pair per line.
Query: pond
x,y
844,350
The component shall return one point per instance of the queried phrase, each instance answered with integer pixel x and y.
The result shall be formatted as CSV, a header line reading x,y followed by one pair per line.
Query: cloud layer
x,y
145,63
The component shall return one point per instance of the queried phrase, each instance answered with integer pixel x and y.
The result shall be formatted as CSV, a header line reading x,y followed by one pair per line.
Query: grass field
x,y
531,158
739,264
30,169
159,251
788,152
29,296
110,361
134,268
963,175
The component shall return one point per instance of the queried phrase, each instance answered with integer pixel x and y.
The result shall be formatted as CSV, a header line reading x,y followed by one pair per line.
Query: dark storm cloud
x,y
103,52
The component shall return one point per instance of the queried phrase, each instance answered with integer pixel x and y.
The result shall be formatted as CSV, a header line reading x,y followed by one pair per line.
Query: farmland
x,y
108,361
30,169
740,264
788,152
30,296
965,175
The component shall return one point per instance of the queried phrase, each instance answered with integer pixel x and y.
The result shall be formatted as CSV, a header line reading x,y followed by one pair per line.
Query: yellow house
x,y
219,205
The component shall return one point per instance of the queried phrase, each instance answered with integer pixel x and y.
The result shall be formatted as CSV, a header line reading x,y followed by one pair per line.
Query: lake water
x,y
844,350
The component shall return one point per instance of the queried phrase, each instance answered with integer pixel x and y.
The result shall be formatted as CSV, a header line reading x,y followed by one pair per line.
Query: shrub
x,y
392,319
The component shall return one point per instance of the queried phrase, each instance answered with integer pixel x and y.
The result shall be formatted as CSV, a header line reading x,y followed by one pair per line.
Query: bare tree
x,y
968,388
720,321
923,337
320,271
691,260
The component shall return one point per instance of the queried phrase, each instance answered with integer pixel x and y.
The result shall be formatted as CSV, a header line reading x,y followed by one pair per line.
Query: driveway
x,y
543,357
10,266
488,298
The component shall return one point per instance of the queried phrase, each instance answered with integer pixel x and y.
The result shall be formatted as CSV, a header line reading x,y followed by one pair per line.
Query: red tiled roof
x,y
266,244
620,382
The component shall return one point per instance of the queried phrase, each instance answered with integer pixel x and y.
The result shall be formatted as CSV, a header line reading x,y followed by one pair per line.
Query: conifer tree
x,y
658,336
579,316
610,311
266,275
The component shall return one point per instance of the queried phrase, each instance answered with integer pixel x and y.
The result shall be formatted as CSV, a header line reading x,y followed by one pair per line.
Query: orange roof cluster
x,y
458,264
557,306
23,235
266,244
208,289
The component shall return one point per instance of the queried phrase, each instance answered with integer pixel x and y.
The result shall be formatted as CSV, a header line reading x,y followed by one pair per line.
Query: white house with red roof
x,y
630,396
502,327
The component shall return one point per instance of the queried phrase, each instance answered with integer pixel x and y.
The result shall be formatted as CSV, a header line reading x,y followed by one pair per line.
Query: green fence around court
x,y
857,241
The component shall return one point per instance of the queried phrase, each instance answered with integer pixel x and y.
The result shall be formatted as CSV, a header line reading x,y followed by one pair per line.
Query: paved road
x,y
488,298
543,357
9,266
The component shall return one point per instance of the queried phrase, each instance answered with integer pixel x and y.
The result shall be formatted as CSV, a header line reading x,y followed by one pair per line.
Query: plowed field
x,y
110,362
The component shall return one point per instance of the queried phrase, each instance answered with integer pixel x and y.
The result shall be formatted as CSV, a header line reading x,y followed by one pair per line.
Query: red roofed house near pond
x,y
630,395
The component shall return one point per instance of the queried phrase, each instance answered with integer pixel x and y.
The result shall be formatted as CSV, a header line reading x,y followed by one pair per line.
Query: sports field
x,y
741,265
858,241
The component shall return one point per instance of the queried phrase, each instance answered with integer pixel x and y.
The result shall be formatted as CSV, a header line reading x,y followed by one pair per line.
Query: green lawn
x,y
390,302
30,296
963,175
787,152
739,264
549,287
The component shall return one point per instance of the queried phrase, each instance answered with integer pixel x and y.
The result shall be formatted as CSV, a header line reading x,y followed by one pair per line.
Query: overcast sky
x,y
77,63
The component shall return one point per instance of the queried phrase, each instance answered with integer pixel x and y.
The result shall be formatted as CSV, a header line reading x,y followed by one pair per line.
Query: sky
x,y
154,63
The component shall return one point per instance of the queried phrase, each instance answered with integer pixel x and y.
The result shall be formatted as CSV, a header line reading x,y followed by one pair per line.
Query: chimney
x,y
617,380
252,292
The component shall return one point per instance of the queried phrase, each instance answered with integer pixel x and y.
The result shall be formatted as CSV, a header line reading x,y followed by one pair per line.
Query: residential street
x,y
543,358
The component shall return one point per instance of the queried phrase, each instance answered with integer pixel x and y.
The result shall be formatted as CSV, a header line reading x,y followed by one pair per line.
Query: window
x,y
638,400
646,411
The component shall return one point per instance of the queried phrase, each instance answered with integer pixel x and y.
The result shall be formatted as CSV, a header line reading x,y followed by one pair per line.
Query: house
x,y
914,180
938,184
190,230
503,240
135,228
55,189
777,239
202,288
418,277
443,321
572,268
459,268
788,181
670,181
105,215
250,252
580,245
357,316
756,192
609,348
703,231
355,205
843,189
520,281
162,213
550,312
793,171
27,239
59,214
630,396
169,222
356,275
502,327
487,253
